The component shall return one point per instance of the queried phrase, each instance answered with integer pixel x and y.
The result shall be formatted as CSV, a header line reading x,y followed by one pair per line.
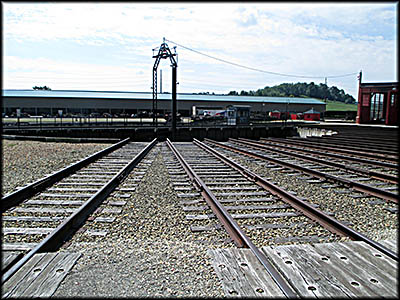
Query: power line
x,y
259,70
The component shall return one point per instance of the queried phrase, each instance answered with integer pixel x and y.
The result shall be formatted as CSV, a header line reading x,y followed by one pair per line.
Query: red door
x,y
392,108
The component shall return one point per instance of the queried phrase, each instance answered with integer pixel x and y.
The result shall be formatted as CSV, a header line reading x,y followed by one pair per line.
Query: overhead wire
x,y
259,70
121,79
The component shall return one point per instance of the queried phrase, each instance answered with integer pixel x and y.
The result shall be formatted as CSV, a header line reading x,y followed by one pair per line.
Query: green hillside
x,y
336,105
301,89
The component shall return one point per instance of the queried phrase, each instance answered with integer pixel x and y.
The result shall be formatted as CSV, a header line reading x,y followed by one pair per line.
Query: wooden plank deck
x,y
242,274
40,276
350,269
343,270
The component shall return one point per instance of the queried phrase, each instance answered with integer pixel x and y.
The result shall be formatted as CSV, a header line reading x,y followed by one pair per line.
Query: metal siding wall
x,y
75,103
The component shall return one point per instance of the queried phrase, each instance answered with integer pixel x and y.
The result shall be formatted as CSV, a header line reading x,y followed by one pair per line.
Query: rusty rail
x,y
334,148
354,145
222,214
378,144
336,179
20,195
315,214
338,156
234,230
367,137
57,237
374,174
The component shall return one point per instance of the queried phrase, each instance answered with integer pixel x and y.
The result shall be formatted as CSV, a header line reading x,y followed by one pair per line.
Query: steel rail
x,y
336,149
368,137
222,214
377,148
20,195
373,174
231,225
351,145
65,230
338,156
356,185
312,212
355,140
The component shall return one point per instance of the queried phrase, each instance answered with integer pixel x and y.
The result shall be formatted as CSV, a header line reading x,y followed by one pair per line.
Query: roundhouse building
x,y
49,103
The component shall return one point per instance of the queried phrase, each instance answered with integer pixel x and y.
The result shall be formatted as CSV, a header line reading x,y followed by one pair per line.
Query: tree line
x,y
301,89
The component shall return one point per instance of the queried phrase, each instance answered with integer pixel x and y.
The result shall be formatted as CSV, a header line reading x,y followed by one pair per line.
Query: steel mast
x,y
163,53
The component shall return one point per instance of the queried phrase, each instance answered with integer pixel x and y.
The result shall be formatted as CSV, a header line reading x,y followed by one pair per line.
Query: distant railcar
x,y
278,115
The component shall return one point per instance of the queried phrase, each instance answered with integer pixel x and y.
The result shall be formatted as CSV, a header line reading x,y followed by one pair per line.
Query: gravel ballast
x,y
149,250
24,162
377,222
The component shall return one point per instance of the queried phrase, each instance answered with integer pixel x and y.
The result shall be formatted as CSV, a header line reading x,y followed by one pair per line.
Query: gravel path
x,y
24,162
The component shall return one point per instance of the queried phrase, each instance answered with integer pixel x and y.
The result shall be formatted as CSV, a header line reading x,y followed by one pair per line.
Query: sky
x,y
108,46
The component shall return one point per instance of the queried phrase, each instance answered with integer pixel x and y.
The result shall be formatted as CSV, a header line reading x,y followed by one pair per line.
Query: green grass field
x,y
336,105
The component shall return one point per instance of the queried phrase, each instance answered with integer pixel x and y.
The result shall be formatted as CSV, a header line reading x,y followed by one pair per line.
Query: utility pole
x,y
326,83
160,81
163,53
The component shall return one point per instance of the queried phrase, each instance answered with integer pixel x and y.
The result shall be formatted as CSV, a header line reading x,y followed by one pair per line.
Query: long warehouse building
x,y
50,103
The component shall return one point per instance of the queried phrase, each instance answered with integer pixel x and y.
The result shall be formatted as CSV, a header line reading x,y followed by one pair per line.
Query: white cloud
x,y
291,38
25,73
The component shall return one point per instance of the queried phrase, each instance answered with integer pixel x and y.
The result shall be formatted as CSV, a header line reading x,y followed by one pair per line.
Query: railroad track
x,y
42,216
353,157
339,148
107,214
250,208
341,200
215,192
379,185
381,171
377,145
367,137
